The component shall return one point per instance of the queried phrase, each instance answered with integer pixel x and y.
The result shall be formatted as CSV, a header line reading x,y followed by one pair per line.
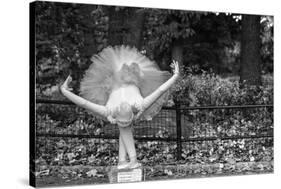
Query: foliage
x,y
210,89
165,26
199,159
66,36
216,36
207,38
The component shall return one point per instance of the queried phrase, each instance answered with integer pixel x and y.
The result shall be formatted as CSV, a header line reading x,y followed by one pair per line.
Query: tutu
x,y
115,66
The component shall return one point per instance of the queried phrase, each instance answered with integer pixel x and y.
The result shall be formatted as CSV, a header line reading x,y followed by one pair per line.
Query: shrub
x,y
208,89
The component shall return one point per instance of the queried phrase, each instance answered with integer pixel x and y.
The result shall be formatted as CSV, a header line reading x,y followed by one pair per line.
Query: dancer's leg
x,y
122,151
127,138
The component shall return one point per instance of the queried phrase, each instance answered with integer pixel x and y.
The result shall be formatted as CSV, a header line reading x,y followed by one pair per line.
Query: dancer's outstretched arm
x,y
150,99
95,108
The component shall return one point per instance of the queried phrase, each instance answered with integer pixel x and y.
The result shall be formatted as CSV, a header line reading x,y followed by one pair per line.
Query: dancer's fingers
x,y
172,65
176,67
69,79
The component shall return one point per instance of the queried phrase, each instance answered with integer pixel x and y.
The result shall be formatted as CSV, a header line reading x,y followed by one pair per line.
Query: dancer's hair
x,y
124,114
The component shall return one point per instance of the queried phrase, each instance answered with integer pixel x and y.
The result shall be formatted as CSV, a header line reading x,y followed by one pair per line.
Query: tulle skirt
x,y
115,66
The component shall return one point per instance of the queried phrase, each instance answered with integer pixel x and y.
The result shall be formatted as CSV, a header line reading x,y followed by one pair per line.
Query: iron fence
x,y
178,123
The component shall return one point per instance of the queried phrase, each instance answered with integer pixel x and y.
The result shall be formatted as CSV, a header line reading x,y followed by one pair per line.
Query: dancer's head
x,y
124,114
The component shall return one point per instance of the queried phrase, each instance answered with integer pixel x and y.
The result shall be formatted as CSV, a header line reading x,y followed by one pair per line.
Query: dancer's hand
x,y
175,67
136,117
111,119
138,105
140,109
66,83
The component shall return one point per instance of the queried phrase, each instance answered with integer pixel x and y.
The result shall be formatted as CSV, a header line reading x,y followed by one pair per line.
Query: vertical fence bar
x,y
178,123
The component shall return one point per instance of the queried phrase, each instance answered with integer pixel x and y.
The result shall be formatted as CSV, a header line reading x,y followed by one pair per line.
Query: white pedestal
x,y
126,175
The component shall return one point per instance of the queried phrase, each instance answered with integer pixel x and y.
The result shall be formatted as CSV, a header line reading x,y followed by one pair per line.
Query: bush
x,y
208,89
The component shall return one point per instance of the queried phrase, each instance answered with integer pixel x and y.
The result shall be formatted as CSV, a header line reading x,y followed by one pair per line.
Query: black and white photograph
x,y
122,94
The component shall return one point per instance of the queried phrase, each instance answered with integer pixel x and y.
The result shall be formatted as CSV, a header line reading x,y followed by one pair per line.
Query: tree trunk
x,y
250,51
126,26
116,26
135,25
90,47
177,51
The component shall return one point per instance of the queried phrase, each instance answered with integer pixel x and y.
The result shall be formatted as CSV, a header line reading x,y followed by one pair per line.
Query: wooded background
x,y
227,44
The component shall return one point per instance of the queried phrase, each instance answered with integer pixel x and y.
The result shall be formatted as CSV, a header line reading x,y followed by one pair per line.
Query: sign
x,y
126,175
134,175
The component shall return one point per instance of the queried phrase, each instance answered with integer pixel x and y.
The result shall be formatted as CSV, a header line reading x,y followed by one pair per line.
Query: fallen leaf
x,y
70,156
221,165
231,161
91,159
92,173
168,172
252,158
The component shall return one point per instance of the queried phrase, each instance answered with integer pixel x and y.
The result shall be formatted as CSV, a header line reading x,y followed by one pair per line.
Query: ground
x,y
77,175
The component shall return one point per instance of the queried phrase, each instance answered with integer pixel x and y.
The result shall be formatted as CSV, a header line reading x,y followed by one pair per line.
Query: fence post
x,y
178,125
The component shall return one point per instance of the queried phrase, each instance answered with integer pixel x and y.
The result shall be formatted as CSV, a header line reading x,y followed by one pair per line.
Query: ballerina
x,y
123,86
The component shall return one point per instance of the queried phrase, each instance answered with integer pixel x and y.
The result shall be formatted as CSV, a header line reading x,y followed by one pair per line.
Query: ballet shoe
x,y
123,165
133,165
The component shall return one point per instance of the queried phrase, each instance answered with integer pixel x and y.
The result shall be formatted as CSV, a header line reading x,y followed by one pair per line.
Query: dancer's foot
x,y
123,165
128,165
133,165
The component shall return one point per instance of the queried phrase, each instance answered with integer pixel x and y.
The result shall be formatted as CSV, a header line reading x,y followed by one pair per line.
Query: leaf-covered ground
x,y
85,161
63,160
71,175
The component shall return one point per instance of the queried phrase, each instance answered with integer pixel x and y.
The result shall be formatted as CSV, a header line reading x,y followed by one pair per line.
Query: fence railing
x,y
179,134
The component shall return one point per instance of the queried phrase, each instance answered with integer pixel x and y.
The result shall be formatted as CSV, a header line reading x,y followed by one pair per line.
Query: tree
x,y
64,42
192,38
267,43
166,34
250,50
126,26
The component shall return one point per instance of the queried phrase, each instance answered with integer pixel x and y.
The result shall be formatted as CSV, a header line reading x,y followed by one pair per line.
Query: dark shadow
x,y
24,181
